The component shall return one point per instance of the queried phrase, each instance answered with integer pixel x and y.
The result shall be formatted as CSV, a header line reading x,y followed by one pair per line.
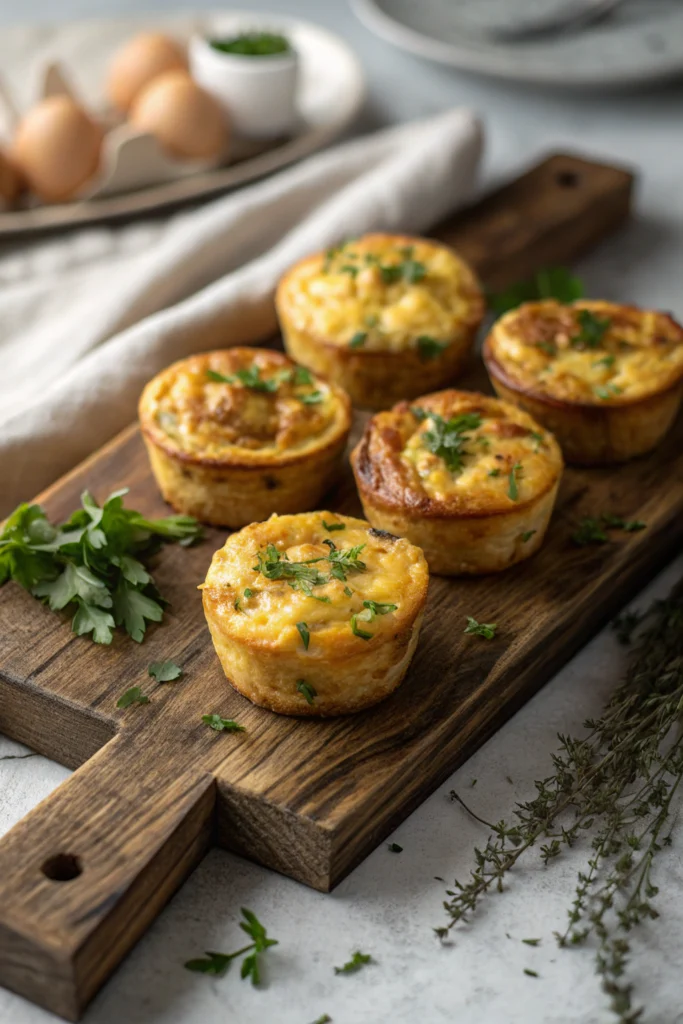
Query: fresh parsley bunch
x,y
92,562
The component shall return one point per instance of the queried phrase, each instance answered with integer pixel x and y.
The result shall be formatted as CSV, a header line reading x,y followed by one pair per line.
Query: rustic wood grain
x,y
307,798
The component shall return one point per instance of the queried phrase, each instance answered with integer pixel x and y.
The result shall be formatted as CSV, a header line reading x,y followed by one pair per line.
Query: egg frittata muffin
x,y
315,614
470,479
384,316
235,435
606,379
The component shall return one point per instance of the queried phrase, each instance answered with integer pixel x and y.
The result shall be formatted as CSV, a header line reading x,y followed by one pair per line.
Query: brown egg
x,y
185,119
142,59
10,180
57,148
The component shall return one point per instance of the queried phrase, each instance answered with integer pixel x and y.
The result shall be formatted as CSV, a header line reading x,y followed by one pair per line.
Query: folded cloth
x,y
87,319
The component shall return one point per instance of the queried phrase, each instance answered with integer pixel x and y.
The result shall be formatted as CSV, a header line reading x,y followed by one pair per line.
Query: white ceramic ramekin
x,y
258,94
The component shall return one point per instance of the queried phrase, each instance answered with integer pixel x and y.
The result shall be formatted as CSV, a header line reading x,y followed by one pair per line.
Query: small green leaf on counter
x,y
485,629
217,963
395,848
219,724
165,671
132,696
532,974
357,961
532,942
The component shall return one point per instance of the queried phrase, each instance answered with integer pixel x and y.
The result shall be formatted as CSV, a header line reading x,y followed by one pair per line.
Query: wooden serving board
x,y
84,874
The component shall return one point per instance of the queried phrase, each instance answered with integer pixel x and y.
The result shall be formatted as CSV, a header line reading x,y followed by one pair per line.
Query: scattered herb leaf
x,y
165,671
395,848
485,629
331,527
132,696
513,477
304,633
430,348
359,339
219,724
357,961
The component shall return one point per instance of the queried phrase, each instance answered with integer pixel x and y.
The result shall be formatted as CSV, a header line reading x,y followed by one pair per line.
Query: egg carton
x,y
130,159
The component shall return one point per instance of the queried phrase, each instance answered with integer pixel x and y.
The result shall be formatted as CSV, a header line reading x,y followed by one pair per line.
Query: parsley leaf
x,y
216,964
331,527
550,283
395,848
304,633
302,376
132,696
357,961
592,330
430,348
607,391
527,535
513,476
359,339
306,690
447,438
485,629
249,377
91,563
219,724
357,631
592,530
165,671
373,608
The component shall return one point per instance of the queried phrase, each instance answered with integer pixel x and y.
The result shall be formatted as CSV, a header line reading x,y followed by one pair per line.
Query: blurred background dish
x,y
640,42
330,93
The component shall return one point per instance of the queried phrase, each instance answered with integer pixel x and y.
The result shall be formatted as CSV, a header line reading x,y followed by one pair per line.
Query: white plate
x,y
332,90
642,42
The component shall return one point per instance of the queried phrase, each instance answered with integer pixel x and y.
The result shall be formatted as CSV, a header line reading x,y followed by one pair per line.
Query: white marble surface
x,y
389,905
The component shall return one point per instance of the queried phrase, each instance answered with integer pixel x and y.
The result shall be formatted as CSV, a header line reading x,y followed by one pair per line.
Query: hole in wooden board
x,y
63,867
568,179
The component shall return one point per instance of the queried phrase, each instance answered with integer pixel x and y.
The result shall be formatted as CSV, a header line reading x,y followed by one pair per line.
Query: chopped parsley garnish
x,y
357,631
527,536
165,671
302,376
607,391
92,562
409,270
607,361
132,696
236,604
306,690
304,633
447,438
312,398
249,593
331,527
348,591
219,724
532,942
395,848
216,964
373,608
372,320
538,439
494,472
592,530
592,330
485,629
304,575
357,961
513,477
248,378
343,560
548,347
532,974
550,283
359,339
430,348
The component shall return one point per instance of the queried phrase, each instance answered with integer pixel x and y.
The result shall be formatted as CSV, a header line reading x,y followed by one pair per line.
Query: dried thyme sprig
x,y
619,781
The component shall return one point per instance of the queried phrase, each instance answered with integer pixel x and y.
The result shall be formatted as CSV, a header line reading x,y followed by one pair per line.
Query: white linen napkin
x,y
87,319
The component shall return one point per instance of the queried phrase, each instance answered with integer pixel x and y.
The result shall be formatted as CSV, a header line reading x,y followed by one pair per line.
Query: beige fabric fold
x,y
87,319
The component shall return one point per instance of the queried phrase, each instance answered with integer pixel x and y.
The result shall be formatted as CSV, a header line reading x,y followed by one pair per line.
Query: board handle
x,y
71,904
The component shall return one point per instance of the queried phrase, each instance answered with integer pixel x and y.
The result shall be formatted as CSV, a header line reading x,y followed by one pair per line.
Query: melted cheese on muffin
x,y
292,583
461,451
384,293
225,404
592,352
